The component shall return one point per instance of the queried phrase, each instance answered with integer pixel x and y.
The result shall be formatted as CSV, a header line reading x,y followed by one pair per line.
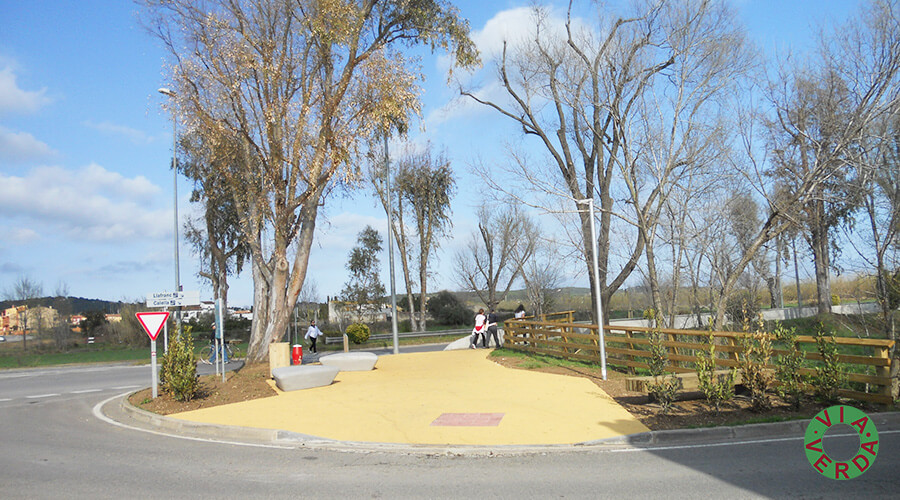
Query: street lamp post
x,y
169,93
390,214
597,299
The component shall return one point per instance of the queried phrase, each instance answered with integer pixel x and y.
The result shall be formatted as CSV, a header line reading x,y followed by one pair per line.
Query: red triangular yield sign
x,y
152,322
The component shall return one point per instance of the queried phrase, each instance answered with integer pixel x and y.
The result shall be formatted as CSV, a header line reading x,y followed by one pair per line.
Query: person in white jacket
x,y
479,330
312,333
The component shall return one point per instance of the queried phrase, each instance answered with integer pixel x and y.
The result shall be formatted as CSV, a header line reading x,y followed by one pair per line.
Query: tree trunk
x,y
819,244
257,350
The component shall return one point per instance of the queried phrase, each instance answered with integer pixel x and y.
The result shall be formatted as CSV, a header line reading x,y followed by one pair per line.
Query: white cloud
x,y
22,147
22,235
16,100
89,204
133,135
514,27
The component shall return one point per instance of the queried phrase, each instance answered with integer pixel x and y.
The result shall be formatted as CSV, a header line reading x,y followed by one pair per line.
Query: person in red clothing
x,y
479,329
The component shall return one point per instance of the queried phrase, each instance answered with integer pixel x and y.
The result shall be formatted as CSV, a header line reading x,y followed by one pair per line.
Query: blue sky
x,y
86,195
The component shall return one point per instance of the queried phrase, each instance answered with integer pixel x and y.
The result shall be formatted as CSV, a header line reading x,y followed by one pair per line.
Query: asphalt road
x,y
54,446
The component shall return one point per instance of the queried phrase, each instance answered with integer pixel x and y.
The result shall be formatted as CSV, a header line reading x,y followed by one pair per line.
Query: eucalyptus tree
x,y
215,235
304,87
364,288
422,188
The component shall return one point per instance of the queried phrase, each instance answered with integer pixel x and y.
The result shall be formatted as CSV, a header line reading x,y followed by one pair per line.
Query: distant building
x,y
17,318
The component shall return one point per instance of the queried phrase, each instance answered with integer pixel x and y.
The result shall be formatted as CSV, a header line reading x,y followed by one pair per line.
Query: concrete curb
x,y
647,440
750,432
193,429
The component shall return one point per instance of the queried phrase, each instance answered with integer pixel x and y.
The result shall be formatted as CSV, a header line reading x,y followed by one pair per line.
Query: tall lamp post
x,y
171,94
597,299
390,214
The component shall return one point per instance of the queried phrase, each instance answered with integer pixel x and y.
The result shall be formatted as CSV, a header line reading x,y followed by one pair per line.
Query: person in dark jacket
x,y
492,329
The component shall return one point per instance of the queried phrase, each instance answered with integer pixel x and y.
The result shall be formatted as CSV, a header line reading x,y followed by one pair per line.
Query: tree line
x,y
708,163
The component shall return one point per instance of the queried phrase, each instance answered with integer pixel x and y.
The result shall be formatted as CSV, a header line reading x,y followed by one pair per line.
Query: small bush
x,y
755,355
742,308
716,389
358,333
447,309
178,374
664,388
787,370
829,377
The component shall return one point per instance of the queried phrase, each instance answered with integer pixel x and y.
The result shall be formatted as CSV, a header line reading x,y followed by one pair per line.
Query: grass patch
x,y
540,360
30,359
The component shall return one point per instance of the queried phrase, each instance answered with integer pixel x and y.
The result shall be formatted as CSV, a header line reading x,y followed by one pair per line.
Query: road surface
x,y
54,446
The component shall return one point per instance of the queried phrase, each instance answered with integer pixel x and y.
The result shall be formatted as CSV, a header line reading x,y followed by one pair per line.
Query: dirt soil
x,y
691,412
250,383
245,384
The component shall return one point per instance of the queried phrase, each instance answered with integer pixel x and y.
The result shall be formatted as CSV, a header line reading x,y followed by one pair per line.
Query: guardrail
x,y
628,347
405,335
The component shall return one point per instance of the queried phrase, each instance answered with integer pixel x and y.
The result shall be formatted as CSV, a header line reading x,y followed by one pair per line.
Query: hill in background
x,y
68,305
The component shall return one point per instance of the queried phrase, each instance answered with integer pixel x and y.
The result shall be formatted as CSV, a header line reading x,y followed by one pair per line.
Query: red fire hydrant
x,y
297,354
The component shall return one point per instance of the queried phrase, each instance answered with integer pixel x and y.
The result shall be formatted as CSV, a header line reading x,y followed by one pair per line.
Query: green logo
x,y
868,442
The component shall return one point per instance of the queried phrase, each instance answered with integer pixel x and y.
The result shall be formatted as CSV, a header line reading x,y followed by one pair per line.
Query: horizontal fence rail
x,y
866,361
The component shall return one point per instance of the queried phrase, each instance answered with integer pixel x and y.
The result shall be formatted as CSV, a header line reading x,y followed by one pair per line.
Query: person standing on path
x,y
492,330
312,333
478,330
520,312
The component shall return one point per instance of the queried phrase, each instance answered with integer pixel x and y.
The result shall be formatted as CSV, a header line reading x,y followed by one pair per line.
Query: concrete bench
x,y
292,378
350,361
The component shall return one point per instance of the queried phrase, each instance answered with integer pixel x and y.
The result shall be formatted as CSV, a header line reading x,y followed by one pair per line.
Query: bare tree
x,y
823,108
626,107
25,290
496,253
543,275
301,86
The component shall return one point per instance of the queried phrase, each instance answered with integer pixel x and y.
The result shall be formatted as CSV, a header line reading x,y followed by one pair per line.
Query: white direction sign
x,y
173,299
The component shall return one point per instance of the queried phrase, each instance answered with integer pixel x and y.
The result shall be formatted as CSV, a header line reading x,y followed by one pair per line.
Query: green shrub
x,y
664,388
178,374
830,376
717,389
787,370
755,355
358,333
447,309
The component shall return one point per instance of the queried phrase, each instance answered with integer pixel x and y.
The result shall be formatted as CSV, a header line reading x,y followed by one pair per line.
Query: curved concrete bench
x,y
292,378
350,361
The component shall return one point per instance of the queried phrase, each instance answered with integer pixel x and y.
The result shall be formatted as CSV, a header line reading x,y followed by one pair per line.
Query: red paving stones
x,y
469,419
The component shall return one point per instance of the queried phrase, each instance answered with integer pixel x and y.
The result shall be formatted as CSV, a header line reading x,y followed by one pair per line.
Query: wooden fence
x,y
866,361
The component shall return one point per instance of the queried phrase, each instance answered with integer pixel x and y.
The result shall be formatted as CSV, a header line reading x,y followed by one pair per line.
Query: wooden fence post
x,y
884,371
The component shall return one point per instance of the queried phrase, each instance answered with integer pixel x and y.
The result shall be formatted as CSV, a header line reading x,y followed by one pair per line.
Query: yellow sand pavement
x,y
399,401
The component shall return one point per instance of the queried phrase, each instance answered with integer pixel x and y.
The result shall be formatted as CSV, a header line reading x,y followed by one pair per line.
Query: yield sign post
x,y
153,323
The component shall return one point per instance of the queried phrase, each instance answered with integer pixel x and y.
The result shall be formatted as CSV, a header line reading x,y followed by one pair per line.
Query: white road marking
x,y
121,387
5,399
85,391
99,414
41,396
